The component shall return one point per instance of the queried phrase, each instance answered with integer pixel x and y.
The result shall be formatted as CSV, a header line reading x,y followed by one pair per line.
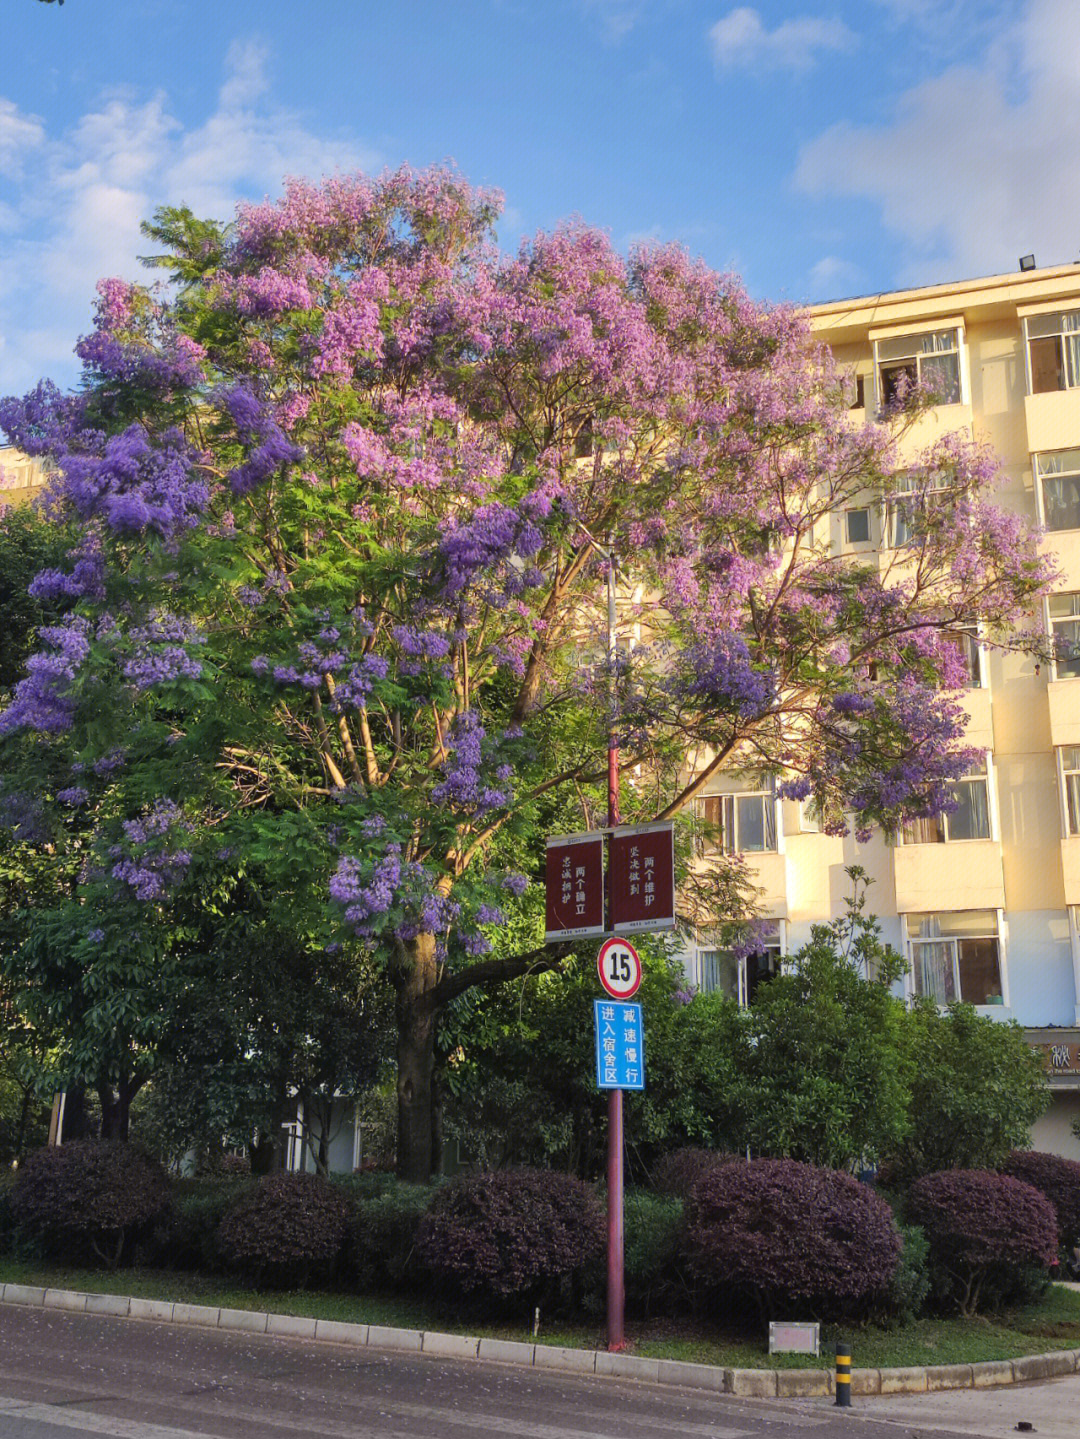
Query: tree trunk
x,y
116,1107
416,1016
76,1124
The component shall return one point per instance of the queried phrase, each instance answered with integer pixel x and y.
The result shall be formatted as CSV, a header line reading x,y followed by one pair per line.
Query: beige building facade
x,y
985,902
21,478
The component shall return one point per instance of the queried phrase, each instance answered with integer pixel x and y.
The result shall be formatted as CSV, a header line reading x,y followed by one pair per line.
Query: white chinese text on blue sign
x,y
620,1045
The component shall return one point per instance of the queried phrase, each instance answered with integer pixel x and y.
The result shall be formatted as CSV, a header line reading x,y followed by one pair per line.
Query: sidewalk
x,y
1051,1406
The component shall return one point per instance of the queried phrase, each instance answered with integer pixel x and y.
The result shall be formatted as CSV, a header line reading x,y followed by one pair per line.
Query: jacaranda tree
x,y
332,625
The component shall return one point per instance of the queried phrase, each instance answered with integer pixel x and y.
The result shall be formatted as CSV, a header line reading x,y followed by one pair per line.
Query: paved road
x,y
64,1376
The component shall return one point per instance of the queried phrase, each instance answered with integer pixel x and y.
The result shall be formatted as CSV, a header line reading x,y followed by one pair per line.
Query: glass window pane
x,y
966,923
759,968
980,974
1044,324
1072,799
1066,648
1058,462
897,381
1047,365
933,966
719,973
858,527
928,829
971,817
941,376
751,823
1062,606
1061,502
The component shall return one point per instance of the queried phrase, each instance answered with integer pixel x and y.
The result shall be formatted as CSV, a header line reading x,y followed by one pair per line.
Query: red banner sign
x,y
575,887
642,877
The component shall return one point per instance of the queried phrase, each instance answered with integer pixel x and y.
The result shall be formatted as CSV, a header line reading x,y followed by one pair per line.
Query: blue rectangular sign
x,y
620,1045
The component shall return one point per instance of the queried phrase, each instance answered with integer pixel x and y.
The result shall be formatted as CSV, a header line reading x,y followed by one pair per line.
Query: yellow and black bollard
x,y
843,1374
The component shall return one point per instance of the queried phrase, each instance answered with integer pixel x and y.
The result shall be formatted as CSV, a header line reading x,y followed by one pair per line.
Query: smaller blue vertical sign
x,y
620,1045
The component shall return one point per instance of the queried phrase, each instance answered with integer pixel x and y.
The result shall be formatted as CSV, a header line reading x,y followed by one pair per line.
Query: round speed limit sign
x,y
619,967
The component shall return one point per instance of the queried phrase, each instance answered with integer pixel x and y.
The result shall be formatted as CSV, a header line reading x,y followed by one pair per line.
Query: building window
x,y
1064,615
1069,757
969,820
721,972
956,955
1053,351
931,361
737,823
857,526
966,644
907,507
1058,482
858,393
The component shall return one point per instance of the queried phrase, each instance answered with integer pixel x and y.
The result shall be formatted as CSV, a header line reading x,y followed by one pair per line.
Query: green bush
x,y
652,1258
910,1285
285,1225
186,1236
91,1194
381,1240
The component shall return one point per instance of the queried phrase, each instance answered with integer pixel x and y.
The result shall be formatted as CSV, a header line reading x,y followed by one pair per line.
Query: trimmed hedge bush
x,y
284,1225
1058,1179
787,1233
381,1243
986,1233
510,1233
89,1192
186,1236
676,1172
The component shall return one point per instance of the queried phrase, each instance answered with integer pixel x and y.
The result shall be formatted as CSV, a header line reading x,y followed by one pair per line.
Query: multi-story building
x,y
985,901
21,478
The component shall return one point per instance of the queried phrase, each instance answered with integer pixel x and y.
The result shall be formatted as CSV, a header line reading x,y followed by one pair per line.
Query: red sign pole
x,y
616,1289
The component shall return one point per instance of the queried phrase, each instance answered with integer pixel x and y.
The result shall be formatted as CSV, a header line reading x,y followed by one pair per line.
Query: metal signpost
x,y
640,899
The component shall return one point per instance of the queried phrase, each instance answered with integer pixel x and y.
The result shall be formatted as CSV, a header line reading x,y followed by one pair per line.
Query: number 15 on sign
x,y
619,967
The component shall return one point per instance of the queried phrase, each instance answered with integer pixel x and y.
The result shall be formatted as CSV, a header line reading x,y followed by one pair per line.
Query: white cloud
x,y
740,39
616,18
978,165
77,217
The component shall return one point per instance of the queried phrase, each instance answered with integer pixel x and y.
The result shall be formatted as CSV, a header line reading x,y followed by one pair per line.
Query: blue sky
x,y
818,149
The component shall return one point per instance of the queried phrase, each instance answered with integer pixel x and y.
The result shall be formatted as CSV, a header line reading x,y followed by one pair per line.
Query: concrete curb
x,y
746,1383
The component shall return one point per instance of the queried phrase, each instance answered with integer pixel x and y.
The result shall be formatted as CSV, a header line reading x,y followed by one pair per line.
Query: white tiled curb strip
x,y
754,1383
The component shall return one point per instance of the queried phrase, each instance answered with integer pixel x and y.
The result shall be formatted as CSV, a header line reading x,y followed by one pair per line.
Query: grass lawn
x,y
1052,1323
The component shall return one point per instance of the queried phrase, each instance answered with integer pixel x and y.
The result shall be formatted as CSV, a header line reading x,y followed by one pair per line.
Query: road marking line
x,y
68,1418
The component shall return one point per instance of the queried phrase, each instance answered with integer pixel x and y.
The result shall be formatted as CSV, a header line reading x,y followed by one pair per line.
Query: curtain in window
x,y
927,829
933,964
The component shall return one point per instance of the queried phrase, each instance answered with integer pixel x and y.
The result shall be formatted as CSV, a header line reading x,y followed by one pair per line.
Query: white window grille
x,y
738,823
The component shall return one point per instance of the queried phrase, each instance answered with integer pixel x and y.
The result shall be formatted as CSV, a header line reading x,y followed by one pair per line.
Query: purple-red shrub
x,y
1058,1179
985,1230
285,1223
89,1193
787,1232
510,1232
677,1171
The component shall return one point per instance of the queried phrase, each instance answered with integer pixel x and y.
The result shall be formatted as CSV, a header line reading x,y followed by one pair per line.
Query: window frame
x,y
1000,936
776,947
1049,622
729,799
1063,773
1069,364
943,817
917,357
1039,479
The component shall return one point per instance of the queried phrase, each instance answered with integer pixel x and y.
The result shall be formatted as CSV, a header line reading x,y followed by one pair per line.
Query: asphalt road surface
x,y
68,1375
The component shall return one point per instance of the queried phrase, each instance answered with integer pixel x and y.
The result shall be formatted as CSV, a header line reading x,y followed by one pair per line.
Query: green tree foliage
x,y
822,1068
977,1087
